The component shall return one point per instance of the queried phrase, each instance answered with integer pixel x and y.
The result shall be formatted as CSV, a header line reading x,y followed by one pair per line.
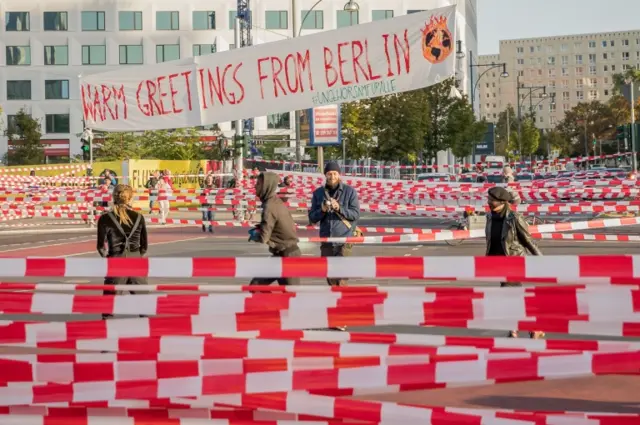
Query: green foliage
x,y
588,121
527,140
357,131
505,127
400,122
26,133
179,144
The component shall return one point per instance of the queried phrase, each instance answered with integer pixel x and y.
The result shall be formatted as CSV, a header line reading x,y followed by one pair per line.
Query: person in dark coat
x,y
335,206
122,233
277,229
507,234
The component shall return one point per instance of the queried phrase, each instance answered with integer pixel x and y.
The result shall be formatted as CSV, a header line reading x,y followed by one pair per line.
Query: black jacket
x,y
516,239
108,232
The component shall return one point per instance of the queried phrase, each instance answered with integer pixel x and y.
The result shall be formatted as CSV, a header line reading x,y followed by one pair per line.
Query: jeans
x,y
207,215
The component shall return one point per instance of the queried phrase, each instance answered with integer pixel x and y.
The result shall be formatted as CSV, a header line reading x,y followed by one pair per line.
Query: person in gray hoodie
x,y
277,229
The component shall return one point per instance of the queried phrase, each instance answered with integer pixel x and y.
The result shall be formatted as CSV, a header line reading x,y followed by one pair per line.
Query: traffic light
x,y
86,154
622,132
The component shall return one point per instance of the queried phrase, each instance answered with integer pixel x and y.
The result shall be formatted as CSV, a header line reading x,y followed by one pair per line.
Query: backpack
x,y
113,218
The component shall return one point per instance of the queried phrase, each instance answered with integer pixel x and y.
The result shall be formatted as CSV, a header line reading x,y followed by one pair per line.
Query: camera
x,y
327,204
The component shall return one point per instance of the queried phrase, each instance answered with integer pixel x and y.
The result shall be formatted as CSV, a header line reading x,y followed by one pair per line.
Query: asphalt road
x,y
189,241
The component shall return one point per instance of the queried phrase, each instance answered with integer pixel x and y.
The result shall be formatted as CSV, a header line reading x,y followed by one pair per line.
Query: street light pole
x,y
634,159
237,139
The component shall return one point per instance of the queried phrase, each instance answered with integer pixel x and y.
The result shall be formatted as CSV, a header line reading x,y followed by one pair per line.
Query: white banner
x,y
344,65
325,126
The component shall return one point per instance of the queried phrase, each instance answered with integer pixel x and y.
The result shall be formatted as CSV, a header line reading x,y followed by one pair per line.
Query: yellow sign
x,y
183,173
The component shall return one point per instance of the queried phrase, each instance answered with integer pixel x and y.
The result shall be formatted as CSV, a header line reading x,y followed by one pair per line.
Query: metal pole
x,y
238,138
519,118
297,114
586,143
634,159
508,128
473,103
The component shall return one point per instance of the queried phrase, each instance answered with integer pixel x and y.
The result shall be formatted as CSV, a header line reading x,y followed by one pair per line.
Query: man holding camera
x,y
335,206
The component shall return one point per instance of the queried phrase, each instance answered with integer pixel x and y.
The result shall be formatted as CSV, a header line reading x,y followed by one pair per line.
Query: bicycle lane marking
x,y
71,249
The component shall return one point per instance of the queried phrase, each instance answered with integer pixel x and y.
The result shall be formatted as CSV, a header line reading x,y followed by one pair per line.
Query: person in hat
x,y
507,234
335,206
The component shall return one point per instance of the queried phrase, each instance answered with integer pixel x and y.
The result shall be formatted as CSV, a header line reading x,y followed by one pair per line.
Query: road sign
x,y
284,150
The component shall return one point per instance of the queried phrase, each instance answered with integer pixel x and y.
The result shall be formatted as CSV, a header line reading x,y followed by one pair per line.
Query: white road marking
x,y
151,244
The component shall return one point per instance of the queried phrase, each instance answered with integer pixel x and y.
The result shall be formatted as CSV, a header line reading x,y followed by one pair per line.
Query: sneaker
x,y
210,229
204,228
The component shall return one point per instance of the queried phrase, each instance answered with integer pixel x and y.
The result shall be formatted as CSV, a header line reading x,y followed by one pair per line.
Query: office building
x,y
46,45
571,68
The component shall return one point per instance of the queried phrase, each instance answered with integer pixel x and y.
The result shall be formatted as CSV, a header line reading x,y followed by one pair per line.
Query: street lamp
x,y
520,101
474,86
352,7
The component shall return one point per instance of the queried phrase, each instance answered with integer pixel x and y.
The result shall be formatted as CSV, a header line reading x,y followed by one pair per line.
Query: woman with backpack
x,y
122,232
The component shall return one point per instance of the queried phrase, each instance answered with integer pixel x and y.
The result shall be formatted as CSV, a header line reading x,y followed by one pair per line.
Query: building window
x,y
521,73
606,92
167,21
580,95
19,90
565,72
520,61
17,21
94,55
57,123
130,21
56,21
564,47
625,56
313,20
592,58
592,70
577,46
552,72
604,43
565,60
592,44
18,55
203,49
579,70
131,55
56,55
551,60
613,43
552,107
279,121
579,83
605,68
565,95
56,89
346,19
204,20
232,18
578,59
593,94
92,21
379,15
167,52
565,84
593,82
276,19
625,42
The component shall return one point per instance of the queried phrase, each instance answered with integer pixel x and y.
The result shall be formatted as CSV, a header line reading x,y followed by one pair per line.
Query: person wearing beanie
x,y
335,206
507,234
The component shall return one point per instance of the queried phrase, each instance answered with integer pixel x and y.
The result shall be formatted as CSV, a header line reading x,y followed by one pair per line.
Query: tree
x,y
467,131
400,122
357,131
505,127
118,147
620,80
527,140
26,132
555,140
584,122
179,144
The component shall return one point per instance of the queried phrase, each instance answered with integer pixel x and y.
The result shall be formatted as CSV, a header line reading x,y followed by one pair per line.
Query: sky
x,y
511,19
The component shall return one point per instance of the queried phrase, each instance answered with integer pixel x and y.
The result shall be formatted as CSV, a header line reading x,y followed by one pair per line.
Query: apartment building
x,y
46,45
571,68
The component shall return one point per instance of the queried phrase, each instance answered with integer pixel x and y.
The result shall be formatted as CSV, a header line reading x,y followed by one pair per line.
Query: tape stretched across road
x,y
617,269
